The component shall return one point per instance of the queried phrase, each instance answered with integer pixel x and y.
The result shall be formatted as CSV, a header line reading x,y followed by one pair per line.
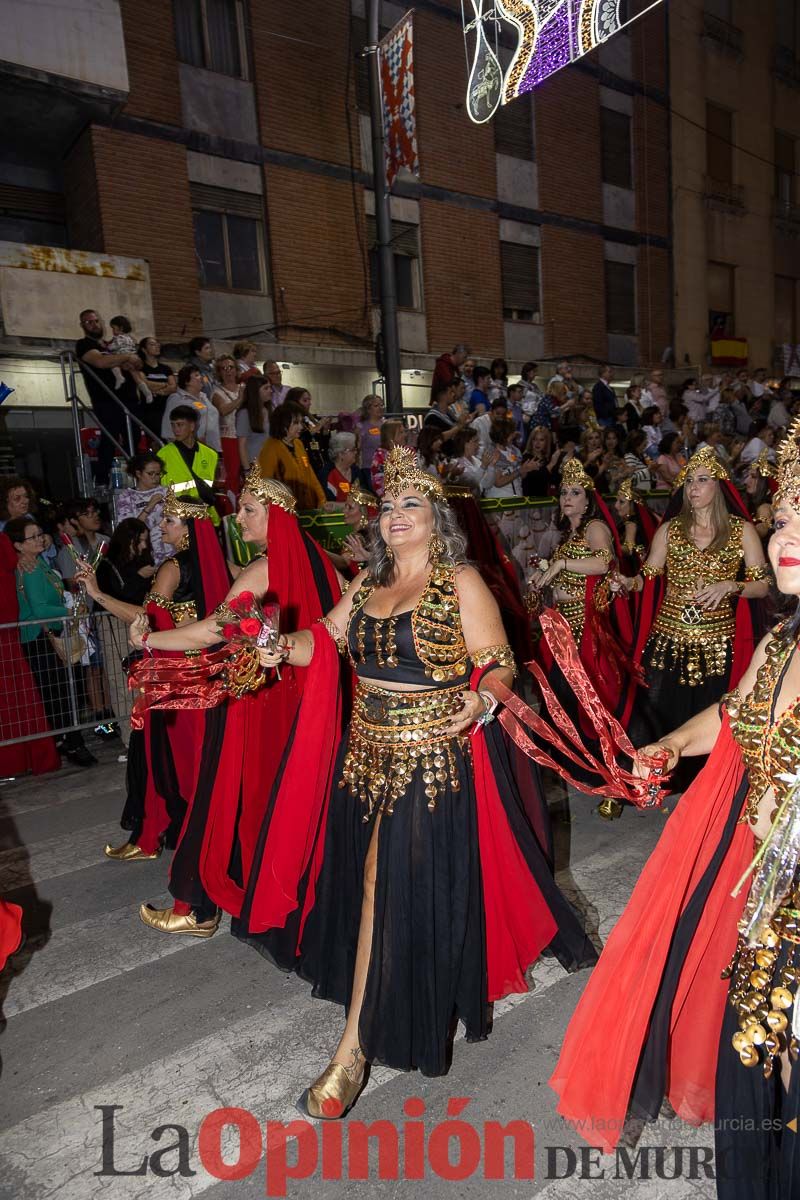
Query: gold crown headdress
x,y
268,491
402,472
187,508
362,498
625,490
788,460
574,475
763,466
705,459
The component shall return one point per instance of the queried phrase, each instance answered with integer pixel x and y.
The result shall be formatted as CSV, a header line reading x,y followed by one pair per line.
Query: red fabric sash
x,y
604,1040
519,924
10,930
296,835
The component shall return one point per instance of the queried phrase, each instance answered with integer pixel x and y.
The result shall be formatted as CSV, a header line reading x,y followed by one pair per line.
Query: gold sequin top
x,y
573,605
769,748
679,619
423,644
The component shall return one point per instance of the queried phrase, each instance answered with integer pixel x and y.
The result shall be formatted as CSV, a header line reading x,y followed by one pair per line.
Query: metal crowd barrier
x,y
69,678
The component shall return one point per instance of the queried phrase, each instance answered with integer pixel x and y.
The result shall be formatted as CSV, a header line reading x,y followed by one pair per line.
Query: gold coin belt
x,y
395,734
763,993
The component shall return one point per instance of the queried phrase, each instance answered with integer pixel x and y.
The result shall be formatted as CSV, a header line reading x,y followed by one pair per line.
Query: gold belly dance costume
x,y
765,975
573,606
394,735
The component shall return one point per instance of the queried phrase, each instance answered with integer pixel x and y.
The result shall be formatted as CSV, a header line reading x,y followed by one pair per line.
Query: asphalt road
x,y
106,1021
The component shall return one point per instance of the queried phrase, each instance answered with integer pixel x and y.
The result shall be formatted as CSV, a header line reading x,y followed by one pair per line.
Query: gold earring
x,y
183,544
390,554
436,547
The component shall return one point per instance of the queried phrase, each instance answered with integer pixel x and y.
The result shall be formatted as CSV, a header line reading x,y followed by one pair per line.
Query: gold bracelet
x,y
753,574
330,628
652,572
500,655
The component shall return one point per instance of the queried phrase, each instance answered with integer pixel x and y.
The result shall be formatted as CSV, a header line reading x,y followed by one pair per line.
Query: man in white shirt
x,y
272,372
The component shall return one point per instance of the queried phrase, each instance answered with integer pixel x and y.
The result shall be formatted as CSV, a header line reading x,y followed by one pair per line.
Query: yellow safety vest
x,y
178,476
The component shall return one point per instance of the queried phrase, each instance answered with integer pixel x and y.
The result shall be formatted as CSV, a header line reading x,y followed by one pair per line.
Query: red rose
x,y
229,632
245,601
250,627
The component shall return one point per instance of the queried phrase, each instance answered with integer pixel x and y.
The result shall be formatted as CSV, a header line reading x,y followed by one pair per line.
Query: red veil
x,y
257,728
10,930
700,856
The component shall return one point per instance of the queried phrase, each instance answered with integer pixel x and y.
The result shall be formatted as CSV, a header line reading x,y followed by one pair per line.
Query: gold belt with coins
x,y
394,735
763,992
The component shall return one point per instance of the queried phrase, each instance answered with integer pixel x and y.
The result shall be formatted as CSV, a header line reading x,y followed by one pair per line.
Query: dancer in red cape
x,y
21,709
245,731
404,881
10,930
695,995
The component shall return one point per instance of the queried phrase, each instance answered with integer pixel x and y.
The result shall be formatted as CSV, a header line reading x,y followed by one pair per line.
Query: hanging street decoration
x,y
543,36
396,56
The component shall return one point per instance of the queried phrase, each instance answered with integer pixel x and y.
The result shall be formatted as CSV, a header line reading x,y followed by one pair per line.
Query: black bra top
x,y
382,649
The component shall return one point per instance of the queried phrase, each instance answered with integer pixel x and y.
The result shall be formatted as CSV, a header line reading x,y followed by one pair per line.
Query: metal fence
x,y
58,675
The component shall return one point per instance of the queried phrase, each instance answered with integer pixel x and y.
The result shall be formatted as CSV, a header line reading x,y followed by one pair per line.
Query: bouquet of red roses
x,y
248,622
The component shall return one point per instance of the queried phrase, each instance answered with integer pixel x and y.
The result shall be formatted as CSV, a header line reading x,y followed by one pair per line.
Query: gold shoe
x,y
130,853
334,1093
610,809
166,920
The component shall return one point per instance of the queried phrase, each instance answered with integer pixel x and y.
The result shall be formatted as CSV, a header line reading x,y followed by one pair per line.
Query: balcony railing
x,y
721,35
724,197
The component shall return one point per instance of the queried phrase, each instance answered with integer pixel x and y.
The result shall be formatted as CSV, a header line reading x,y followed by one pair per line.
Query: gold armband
x,y
752,574
330,628
499,656
652,572
604,554
159,600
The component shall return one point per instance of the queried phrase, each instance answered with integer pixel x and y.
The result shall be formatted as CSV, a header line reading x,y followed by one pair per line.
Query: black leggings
x,y
53,683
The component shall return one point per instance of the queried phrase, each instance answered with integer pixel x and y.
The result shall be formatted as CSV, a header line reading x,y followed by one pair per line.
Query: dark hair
x,y
514,387
7,484
592,514
606,432
496,364
281,419
196,345
440,391
139,461
80,505
185,374
293,397
459,440
647,415
757,427
124,544
635,442
500,429
526,367
142,344
84,311
15,529
183,412
498,403
427,436
122,322
253,403
667,442
479,373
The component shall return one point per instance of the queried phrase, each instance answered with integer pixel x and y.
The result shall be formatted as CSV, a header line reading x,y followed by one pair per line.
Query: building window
x,y
721,300
228,239
620,298
719,143
513,129
519,271
785,158
405,249
721,9
209,33
615,143
787,332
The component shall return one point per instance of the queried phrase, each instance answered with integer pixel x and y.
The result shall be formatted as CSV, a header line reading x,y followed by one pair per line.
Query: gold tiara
x,y
763,466
268,491
704,459
574,475
187,508
788,472
625,490
401,473
362,498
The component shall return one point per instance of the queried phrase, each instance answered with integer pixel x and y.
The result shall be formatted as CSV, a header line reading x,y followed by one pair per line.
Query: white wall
x,y
81,41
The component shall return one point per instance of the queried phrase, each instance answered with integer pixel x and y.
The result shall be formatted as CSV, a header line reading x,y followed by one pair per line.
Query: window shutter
x,y
405,237
519,266
215,199
513,129
620,298
615,134
31,202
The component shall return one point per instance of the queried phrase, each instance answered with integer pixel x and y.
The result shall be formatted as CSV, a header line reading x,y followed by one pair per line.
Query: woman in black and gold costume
x,y
425,893
693,638
703,967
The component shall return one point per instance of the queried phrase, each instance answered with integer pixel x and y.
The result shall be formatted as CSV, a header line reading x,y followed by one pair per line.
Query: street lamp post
x,y
383,221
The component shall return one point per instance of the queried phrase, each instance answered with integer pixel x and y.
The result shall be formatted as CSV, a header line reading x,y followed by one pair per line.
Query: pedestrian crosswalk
x,y
109,1013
